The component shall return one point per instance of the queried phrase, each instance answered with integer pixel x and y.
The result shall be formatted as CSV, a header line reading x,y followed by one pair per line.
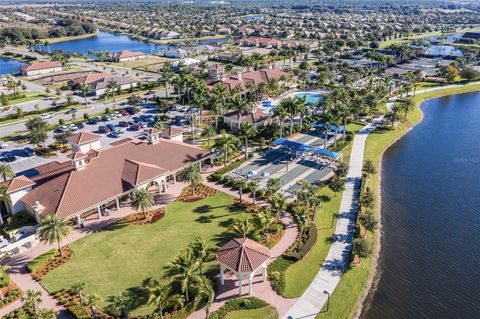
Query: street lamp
x,y
328,299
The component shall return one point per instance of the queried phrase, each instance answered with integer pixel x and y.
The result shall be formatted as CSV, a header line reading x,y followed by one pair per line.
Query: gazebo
x,y
243,257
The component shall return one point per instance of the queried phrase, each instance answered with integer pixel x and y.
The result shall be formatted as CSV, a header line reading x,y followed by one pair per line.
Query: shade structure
x,y
264,174
292,145
251,173
339,129
327,153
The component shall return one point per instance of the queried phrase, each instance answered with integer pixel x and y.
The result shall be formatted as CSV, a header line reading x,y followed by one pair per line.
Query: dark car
x,y
27,151
72,111
80,125
135,127
104,129
114,134
111,126
93,121
131,122
136,119
131,110
124,124
9,158
124,112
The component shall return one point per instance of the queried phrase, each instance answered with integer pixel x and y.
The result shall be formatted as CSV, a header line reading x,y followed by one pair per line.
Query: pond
x,y
9,66
430,248
443,50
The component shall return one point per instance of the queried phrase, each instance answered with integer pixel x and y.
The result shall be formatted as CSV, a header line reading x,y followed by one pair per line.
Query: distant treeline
x,y
62,27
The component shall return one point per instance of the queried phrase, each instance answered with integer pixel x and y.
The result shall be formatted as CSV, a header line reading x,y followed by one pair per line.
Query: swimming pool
x,y
310,98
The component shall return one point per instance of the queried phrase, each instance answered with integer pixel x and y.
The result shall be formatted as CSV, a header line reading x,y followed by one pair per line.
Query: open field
x,y
122,256
261,313
149,60
385,44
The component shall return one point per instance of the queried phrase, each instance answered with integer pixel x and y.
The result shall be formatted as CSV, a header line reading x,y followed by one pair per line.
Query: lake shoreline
x,y
375,275
70,38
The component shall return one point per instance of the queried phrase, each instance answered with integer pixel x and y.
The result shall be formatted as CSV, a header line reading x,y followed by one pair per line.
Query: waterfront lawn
x,y
122,256
150,59
299,275
263,313
346,297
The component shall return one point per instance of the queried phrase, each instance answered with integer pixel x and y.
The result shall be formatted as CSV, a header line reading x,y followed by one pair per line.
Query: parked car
x,y
63,128
143,125
3,145
132,122
9,158
115,134
104,129
135,127
124,112
124,124
80,125
111,126
46,116
27,151
106,118
117,114
131,110
93,121
72,127
71,111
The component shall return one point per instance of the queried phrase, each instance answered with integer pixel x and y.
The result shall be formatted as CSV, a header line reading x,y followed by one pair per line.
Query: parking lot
x,y
112,128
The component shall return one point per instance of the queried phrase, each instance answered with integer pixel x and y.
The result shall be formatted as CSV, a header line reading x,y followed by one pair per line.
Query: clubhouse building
x,y
94,179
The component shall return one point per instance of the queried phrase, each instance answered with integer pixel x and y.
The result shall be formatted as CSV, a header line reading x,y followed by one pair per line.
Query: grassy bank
x,y
385,44
70,38
347,297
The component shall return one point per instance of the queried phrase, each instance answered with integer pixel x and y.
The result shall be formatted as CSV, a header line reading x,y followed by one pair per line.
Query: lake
x,y
443,50
430,252
8,66
108,41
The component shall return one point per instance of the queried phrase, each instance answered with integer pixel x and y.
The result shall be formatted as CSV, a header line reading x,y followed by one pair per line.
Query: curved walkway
x,y
328,277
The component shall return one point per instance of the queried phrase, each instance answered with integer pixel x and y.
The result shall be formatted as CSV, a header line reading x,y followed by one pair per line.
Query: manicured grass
x,y
150,59
30,96
261,313
299,275
70,38
346,296
122,256
385,44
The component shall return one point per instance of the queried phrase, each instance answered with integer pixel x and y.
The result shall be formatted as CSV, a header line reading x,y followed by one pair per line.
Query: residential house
x,y
98,82
37,68
257,117
125,55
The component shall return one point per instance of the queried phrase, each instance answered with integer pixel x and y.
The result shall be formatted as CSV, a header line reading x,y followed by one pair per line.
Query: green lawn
x,y
346,296
122,256
299,275
261,313
30,96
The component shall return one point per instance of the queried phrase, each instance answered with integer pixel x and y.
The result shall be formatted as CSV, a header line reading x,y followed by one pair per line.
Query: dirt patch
x,y
151,217
201,191
57,261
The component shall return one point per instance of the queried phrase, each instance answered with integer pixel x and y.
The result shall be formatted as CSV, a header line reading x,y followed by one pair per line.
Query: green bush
x,y
79,312
276,273
41,260
4,280
307,245
244,303
19,220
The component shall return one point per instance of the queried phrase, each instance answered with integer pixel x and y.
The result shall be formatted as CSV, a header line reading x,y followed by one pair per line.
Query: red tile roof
x,y
92,78
19,182
40,66
126,54
83,138
255,117
243,255
171,131
265,75
110,173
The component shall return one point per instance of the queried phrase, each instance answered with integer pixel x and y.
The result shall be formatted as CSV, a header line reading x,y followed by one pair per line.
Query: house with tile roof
x,y
126,55
93,179
37,68
98,82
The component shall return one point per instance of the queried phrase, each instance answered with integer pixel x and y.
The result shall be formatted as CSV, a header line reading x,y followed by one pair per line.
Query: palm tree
x,y
278,202
241,226
240,105
142,201
281,113
253,186
209,132
85,89
192,175
78,288
300,215
5,198
205,294
241,186
32,299
12,85
112,88
122,304
91,301
53,230
273,186
3,270
6,171
247,131
368,168
161,297
225,143
408,105
184,268
199,250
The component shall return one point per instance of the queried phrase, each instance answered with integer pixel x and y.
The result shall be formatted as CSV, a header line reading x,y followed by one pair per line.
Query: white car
x,y
46,116
3,145
72,127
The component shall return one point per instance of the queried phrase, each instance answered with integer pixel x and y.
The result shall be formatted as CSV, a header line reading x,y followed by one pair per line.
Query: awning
x,y
332,128
292,144
327,153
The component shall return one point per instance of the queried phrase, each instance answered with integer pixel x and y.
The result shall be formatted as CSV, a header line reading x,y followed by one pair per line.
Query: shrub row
x,y
307,245
276,273
245,303
41,260
9,297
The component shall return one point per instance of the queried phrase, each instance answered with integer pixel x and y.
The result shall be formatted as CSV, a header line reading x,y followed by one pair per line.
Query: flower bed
x,y
201,191
139,218
45,263
236,304
10,294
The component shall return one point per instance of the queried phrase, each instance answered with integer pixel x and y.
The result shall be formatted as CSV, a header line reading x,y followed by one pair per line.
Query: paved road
x,y
329,275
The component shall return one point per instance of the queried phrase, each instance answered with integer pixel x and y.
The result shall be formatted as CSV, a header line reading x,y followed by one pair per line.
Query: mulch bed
x,y
10,294
139,218
272,240
201,191
52,264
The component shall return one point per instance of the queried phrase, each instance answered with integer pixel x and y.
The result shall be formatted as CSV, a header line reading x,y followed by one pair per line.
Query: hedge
x,y
41,260
244,303
276,273
309,243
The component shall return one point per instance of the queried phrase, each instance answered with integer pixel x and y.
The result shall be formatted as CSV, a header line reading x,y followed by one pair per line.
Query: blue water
x,y
8,66
430,248
448,38
310,98
444,50
107,41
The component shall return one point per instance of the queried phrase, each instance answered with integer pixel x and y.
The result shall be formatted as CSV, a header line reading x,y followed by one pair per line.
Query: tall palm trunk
x,y
246,147
240,192
291,125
